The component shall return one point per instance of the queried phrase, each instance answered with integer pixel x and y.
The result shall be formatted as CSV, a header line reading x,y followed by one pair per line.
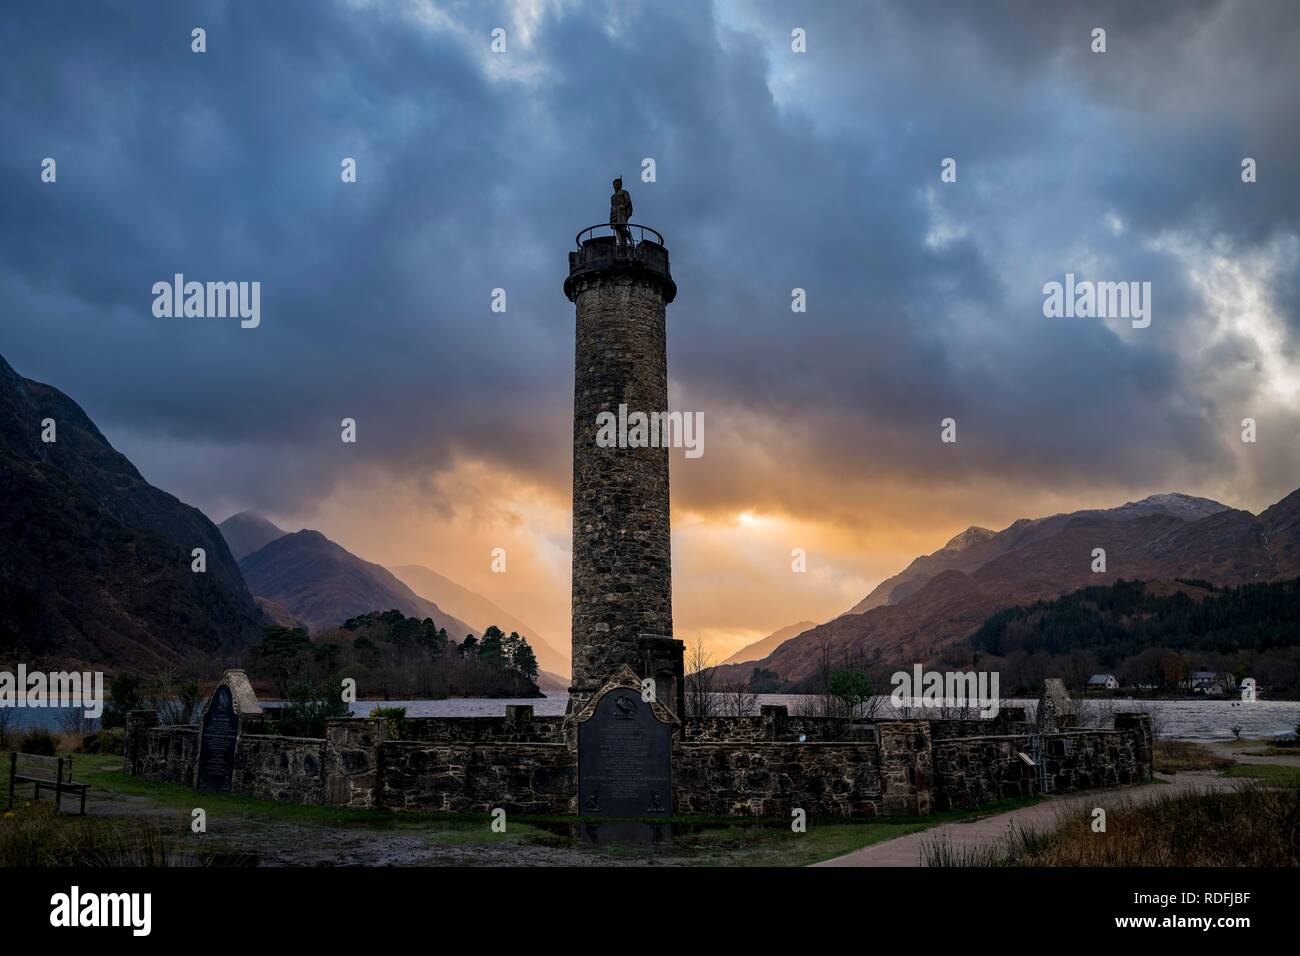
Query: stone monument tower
x,y
622,562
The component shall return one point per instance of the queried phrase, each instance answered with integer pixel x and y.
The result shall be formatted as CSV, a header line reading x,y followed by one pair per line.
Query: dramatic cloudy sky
x,y
775,170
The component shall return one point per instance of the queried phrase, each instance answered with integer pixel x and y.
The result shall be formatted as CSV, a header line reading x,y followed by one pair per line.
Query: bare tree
x,y
841,686
820,699
807,705
701,697
1096,712
824,663
74,721
859,706
177,700
738,700
1152,710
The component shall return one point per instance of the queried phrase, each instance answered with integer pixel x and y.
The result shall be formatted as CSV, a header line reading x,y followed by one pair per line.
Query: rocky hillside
x,y
322,584
761,648
943,597
1280,527
247,532
95,563
947,608
975,547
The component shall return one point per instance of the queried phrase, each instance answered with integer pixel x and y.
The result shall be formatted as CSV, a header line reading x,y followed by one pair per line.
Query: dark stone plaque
x,y
624,759
217,741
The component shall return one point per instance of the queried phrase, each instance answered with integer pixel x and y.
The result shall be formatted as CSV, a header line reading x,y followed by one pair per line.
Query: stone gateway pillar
x,y
622,561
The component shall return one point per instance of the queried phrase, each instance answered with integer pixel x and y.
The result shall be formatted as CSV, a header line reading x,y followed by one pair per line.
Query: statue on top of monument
x,y
620,212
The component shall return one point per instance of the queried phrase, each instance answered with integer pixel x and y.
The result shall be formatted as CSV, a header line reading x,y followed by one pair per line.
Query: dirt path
x,y
988,831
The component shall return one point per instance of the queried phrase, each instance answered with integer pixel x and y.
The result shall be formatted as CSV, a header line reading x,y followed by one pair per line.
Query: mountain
x,y
943,597
549,683
247,532
481,612
95,563
761,648
947,608
322,585
975,547
278,615
1282,533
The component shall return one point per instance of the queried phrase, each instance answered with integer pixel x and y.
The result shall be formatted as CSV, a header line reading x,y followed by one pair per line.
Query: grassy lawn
x,y
1268,773
1279,747
695,841
1171,756
106,773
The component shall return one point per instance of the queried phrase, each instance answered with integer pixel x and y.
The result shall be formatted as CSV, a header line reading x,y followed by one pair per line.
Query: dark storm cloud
x,y
774,171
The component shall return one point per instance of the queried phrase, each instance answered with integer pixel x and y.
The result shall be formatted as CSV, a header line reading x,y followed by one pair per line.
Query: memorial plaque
x,y
220,733
624,759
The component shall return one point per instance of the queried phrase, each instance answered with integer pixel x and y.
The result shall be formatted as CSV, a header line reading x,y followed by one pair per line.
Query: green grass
x,y
1171,756
696,840
106,773
775,844
1268,773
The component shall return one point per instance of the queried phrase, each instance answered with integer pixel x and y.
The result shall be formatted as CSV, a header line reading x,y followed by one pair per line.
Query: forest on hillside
x,y
393,656
1148,637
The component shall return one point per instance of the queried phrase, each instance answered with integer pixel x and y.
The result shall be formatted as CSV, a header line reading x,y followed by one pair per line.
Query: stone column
x,y
138,723
906,762
352,765
622,565
1138,724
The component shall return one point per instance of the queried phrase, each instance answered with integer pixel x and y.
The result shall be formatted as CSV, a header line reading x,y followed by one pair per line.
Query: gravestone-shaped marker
x,y
220,734
219,730
624,758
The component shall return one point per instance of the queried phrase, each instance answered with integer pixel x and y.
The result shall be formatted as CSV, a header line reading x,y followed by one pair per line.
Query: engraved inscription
x,y
624,759
217,744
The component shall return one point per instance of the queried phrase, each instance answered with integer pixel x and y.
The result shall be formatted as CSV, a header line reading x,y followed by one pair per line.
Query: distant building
x,y
1211,683
1103,682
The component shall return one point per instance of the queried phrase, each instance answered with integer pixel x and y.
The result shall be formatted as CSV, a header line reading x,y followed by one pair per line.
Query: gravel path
x,y
989,831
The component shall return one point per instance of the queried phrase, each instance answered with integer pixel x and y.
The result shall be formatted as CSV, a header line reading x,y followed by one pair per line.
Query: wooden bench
x,y
50,773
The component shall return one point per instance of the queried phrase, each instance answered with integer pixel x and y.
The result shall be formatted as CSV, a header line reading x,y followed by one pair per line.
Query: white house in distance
x,y
1103,682
1211,682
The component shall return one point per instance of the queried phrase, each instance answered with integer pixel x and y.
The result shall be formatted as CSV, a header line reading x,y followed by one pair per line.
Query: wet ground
x,y
255,839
